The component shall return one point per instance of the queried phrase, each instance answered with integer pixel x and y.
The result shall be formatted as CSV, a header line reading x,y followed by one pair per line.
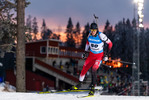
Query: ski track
x,y
64,96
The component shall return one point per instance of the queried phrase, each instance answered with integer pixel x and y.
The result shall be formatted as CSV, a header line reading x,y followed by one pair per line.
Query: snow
x,y
10,88
60,96
66,96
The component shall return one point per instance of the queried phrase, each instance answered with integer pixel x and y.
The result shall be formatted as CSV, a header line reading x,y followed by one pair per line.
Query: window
x,y
56,50
43,50
50,50
53,50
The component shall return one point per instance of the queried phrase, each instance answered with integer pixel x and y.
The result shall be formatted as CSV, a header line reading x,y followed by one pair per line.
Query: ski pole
x,y
122,62
106,65
96,18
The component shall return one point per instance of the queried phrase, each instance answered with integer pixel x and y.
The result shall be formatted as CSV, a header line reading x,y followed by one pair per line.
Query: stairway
x,y
60,75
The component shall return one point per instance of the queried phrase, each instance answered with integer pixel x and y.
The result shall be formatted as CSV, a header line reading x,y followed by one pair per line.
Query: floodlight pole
x,y
136,55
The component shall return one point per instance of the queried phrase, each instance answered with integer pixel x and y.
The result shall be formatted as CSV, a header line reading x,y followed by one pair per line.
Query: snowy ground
x,y
61,96
33,96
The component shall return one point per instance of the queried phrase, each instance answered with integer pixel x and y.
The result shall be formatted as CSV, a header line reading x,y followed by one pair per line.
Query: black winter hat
x,y
93,26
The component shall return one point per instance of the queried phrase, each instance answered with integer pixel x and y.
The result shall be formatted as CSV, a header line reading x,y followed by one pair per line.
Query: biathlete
x,y
95,43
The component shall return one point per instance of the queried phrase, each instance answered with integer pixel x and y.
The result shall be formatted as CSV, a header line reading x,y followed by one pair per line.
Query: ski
x,y
63,91
86,96
46,92
97,88
70,91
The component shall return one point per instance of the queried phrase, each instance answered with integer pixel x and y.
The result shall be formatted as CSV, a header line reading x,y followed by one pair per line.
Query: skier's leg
x,y
94,77
94,71
88,63
96,65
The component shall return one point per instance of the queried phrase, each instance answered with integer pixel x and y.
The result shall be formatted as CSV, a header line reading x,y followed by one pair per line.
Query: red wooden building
x,y
52,48
45,52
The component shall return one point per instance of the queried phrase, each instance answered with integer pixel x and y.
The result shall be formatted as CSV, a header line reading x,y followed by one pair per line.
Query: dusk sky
x,y
57,12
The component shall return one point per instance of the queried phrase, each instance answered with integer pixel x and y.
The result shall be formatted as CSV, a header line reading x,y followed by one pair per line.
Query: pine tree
x,y
35,28
70,42
107,25
119,38
69,26
129,41
123,41
44,30
7,27
145,55
108,29
48,33
20,60
108,32
10,32
78,28
85,34
134,23
77,35
55,36
29,24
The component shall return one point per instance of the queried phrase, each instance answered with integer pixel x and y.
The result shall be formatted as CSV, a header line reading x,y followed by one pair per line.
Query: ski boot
x,y
92,90
77,86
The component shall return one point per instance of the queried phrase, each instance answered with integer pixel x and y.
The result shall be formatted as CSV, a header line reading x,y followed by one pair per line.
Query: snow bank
x,y
5,87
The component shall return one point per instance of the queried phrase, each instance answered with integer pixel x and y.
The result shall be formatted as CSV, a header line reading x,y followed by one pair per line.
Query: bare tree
x,y
20,60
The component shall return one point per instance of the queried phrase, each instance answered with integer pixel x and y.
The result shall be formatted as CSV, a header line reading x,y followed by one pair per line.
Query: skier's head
x,y
94,29
93,26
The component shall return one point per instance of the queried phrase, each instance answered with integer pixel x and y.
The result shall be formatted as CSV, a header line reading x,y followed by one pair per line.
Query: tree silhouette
x,y
77,35
108,31
70,42
85,34
45,32
29,24
35,28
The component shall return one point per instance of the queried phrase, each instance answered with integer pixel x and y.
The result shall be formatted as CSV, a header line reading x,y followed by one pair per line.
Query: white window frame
x,y
53,50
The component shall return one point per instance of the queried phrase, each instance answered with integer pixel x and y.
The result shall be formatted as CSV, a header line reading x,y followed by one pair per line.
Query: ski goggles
x,y
93,30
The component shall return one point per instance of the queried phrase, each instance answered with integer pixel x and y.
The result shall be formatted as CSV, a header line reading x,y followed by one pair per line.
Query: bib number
x,y
94,45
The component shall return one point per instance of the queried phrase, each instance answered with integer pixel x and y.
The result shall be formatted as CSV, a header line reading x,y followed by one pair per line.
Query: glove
x,y
105,58
84,55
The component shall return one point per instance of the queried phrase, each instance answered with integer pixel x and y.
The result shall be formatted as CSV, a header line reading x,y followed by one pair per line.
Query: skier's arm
x,y
109,44
87,46
105,39
86,49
